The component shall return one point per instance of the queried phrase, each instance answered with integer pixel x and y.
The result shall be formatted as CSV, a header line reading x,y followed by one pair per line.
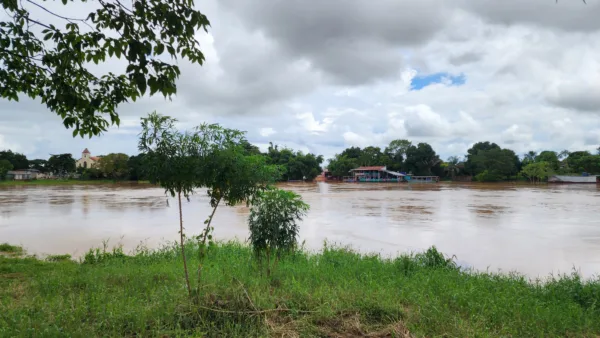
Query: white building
x,y
87,160
23,174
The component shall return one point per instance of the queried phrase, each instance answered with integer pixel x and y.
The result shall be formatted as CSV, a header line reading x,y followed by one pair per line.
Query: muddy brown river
x,y
534,230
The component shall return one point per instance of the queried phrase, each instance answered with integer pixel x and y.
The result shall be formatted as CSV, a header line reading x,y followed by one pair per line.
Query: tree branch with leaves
x,y
52,64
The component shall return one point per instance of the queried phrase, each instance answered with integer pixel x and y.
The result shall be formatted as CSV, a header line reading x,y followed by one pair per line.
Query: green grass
x,y
6,248
67,182
335,293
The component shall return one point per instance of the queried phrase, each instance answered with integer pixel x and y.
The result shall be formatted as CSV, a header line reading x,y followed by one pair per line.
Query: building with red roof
x,y
87,160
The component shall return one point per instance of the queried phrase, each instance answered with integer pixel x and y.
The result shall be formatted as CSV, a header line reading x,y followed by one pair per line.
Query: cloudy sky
x,y
321,76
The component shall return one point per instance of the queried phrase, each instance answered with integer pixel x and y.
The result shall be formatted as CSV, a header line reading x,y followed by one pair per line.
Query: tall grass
x,y
11,249
336,292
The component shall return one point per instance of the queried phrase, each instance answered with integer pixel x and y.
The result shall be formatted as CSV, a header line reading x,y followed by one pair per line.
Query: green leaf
x,y
48,36
140,80
159,49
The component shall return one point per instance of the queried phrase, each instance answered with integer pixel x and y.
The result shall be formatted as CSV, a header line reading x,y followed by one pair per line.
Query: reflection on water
x,y
532,229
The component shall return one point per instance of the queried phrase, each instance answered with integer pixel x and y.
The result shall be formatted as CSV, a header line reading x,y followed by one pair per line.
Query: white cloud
x,y
321,76
266,132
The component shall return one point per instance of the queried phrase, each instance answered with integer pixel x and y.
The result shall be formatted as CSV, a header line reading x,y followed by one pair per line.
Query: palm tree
x,y
530,156
563,157
452,167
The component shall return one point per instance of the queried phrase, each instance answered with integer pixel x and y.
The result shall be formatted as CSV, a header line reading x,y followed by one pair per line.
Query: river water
x,y
534,230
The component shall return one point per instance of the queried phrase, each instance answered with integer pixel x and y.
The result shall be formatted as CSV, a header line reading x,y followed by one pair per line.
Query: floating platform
x,y
574,179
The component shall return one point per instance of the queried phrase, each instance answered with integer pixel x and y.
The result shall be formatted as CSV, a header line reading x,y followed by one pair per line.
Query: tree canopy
x,y
52,63
39,164
420,159
115,166
295,165
396,152
550,157
537,171
18,161
62,164
5,167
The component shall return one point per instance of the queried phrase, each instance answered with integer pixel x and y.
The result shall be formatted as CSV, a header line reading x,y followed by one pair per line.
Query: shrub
x,y
12,249
273,223
488,176
58,258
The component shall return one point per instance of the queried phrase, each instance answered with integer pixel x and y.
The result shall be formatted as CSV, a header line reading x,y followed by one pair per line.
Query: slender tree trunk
x,y
202,246
187,277
268,262
210,218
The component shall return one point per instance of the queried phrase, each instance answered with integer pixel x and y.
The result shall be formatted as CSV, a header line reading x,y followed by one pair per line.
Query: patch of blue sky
x,y
421,81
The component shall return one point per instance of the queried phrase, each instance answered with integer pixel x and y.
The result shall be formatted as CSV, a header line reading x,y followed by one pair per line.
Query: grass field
x,y
334,293
67,182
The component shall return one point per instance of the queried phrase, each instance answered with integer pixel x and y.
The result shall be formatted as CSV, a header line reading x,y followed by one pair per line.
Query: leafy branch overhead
x,y
51,63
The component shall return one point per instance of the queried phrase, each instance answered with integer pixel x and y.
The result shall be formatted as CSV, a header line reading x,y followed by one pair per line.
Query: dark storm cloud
x,y
576,96
354,41
466,58
569,15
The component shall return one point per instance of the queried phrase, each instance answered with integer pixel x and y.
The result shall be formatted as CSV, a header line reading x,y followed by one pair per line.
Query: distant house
x,y
375,174
382,174
24,174
87,160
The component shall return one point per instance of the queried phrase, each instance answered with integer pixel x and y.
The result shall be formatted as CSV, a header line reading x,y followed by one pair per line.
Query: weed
x,y
11,249
58,258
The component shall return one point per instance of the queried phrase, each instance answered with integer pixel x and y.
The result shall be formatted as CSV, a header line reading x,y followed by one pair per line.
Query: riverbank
x,y
335,293
68,182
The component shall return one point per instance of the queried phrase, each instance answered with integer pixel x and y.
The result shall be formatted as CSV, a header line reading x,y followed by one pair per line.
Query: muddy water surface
x,y
532,229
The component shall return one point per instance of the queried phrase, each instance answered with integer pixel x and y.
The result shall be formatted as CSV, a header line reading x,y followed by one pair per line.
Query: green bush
x,y
8,248
488,176
273,223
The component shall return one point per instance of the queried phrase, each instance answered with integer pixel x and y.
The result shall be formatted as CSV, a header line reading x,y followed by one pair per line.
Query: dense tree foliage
x,y
5,167
61,165
55,65
39,164
18,161
396,153
550,157
587,163
135,167
114,166
537,171
296,165
451,166
488,162
340,165
421,159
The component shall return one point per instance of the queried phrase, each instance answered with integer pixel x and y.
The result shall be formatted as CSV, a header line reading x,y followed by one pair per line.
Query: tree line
x,y
295,165
484,162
